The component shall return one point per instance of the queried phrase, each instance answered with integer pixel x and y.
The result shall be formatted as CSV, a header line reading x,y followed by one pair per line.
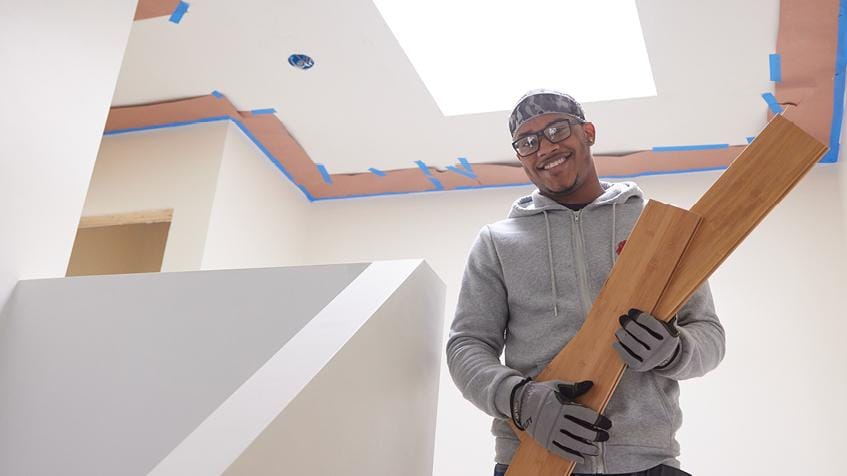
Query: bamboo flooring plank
x,y
739,200
657,242
742,196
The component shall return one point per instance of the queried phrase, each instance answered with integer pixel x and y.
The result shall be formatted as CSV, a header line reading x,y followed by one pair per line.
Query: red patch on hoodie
x,y
620,247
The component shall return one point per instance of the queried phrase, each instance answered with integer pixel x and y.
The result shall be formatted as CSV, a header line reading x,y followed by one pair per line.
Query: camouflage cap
x,y
543,101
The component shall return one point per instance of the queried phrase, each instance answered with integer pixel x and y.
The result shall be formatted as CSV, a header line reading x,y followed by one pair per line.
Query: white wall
x,y
166,168
136,362
778,296
257,216
60,61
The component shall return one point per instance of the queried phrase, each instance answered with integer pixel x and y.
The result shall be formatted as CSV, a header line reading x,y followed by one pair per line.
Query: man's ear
x,y
590,132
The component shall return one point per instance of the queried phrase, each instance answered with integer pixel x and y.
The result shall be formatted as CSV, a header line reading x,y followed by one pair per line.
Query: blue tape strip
x,y
676,148
165,126
217,94
776,67
179,11
461,171
750,139
377,172
466,164
838,92
257,112
324,173
422,166
425,169
664,172
272,158
772,103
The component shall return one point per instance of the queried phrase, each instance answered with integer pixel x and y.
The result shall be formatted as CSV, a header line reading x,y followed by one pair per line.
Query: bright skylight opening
x,y
480,56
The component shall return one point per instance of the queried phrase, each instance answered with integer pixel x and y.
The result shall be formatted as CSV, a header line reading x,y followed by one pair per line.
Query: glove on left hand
x,y
646,343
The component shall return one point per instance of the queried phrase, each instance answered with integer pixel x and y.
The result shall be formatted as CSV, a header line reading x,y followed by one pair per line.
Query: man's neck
x,y
585,195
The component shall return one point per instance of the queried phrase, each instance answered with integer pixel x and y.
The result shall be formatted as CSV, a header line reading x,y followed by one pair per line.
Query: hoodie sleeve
x,y
477,335
702,342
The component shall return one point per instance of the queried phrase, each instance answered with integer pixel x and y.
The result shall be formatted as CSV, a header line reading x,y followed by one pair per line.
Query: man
x,y
529,283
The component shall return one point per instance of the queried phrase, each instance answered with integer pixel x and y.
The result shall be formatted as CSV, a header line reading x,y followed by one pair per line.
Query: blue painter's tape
x,y
217,94
437,183
676,148
179,11
272,158
422,166
257,112
425,169
776,67
750,139
502,185
461,171
465,164
664,172
772,103
215,119
838,88
165,126
377,172
324,173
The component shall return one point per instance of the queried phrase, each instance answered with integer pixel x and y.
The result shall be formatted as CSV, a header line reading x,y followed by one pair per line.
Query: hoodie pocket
x,y
641,413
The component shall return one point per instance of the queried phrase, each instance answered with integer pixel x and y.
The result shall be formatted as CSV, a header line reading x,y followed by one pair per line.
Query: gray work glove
x,y
547,411
646,343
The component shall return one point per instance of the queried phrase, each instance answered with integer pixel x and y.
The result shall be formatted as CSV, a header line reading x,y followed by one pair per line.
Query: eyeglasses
x,y
554,132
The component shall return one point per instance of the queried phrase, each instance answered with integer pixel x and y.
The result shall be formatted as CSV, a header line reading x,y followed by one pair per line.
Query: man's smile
x,y
555,161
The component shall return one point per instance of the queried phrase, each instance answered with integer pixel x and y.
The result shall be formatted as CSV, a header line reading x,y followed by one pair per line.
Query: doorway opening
x,y
120,243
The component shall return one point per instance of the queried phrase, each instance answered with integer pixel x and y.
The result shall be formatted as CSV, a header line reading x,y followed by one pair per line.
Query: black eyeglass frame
x,y
571,121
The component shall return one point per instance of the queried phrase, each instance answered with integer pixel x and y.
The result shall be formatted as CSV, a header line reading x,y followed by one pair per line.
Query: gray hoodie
x,y
529,283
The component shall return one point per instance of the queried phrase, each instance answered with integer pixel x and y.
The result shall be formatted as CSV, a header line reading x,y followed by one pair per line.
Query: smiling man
x,y
528,286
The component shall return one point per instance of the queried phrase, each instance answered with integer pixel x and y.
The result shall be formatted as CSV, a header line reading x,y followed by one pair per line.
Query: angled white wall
x,y
181,373
60,63
168,168
107,374
355,392
257,214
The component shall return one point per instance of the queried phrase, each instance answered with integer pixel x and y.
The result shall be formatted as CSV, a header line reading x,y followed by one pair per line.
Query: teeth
x,y
553,164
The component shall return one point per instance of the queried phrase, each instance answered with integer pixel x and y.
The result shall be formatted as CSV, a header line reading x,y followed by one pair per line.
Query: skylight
x,y
479,56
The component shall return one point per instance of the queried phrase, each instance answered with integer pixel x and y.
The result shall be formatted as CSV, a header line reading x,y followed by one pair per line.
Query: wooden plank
x,y
742,196
131,218
753,184
655,246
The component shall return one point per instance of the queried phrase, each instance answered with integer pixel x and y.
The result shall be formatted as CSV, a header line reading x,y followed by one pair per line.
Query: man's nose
x,y
545,147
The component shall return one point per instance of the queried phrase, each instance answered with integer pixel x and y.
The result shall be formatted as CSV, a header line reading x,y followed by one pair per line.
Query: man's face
x,y
558,169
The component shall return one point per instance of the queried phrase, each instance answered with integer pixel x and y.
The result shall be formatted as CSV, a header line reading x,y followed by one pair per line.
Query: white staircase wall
x,y
355,392
107,374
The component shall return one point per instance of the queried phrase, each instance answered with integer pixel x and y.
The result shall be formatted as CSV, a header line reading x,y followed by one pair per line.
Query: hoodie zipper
x,y
586,303
581,269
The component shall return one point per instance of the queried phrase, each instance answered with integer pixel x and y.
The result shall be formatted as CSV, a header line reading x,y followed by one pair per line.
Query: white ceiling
x,y
363,105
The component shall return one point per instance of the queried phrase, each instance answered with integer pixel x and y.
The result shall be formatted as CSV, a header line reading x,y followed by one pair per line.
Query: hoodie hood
x,y
613,194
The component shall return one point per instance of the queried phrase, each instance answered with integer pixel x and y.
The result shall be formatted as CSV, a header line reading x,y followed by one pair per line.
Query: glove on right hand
x,y
547,411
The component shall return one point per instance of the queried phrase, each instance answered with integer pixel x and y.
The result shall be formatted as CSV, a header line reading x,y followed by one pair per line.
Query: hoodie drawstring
x,y
614,246
552,271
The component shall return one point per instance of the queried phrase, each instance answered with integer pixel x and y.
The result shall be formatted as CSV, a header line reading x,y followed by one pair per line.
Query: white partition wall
x,y
59,63
185,372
